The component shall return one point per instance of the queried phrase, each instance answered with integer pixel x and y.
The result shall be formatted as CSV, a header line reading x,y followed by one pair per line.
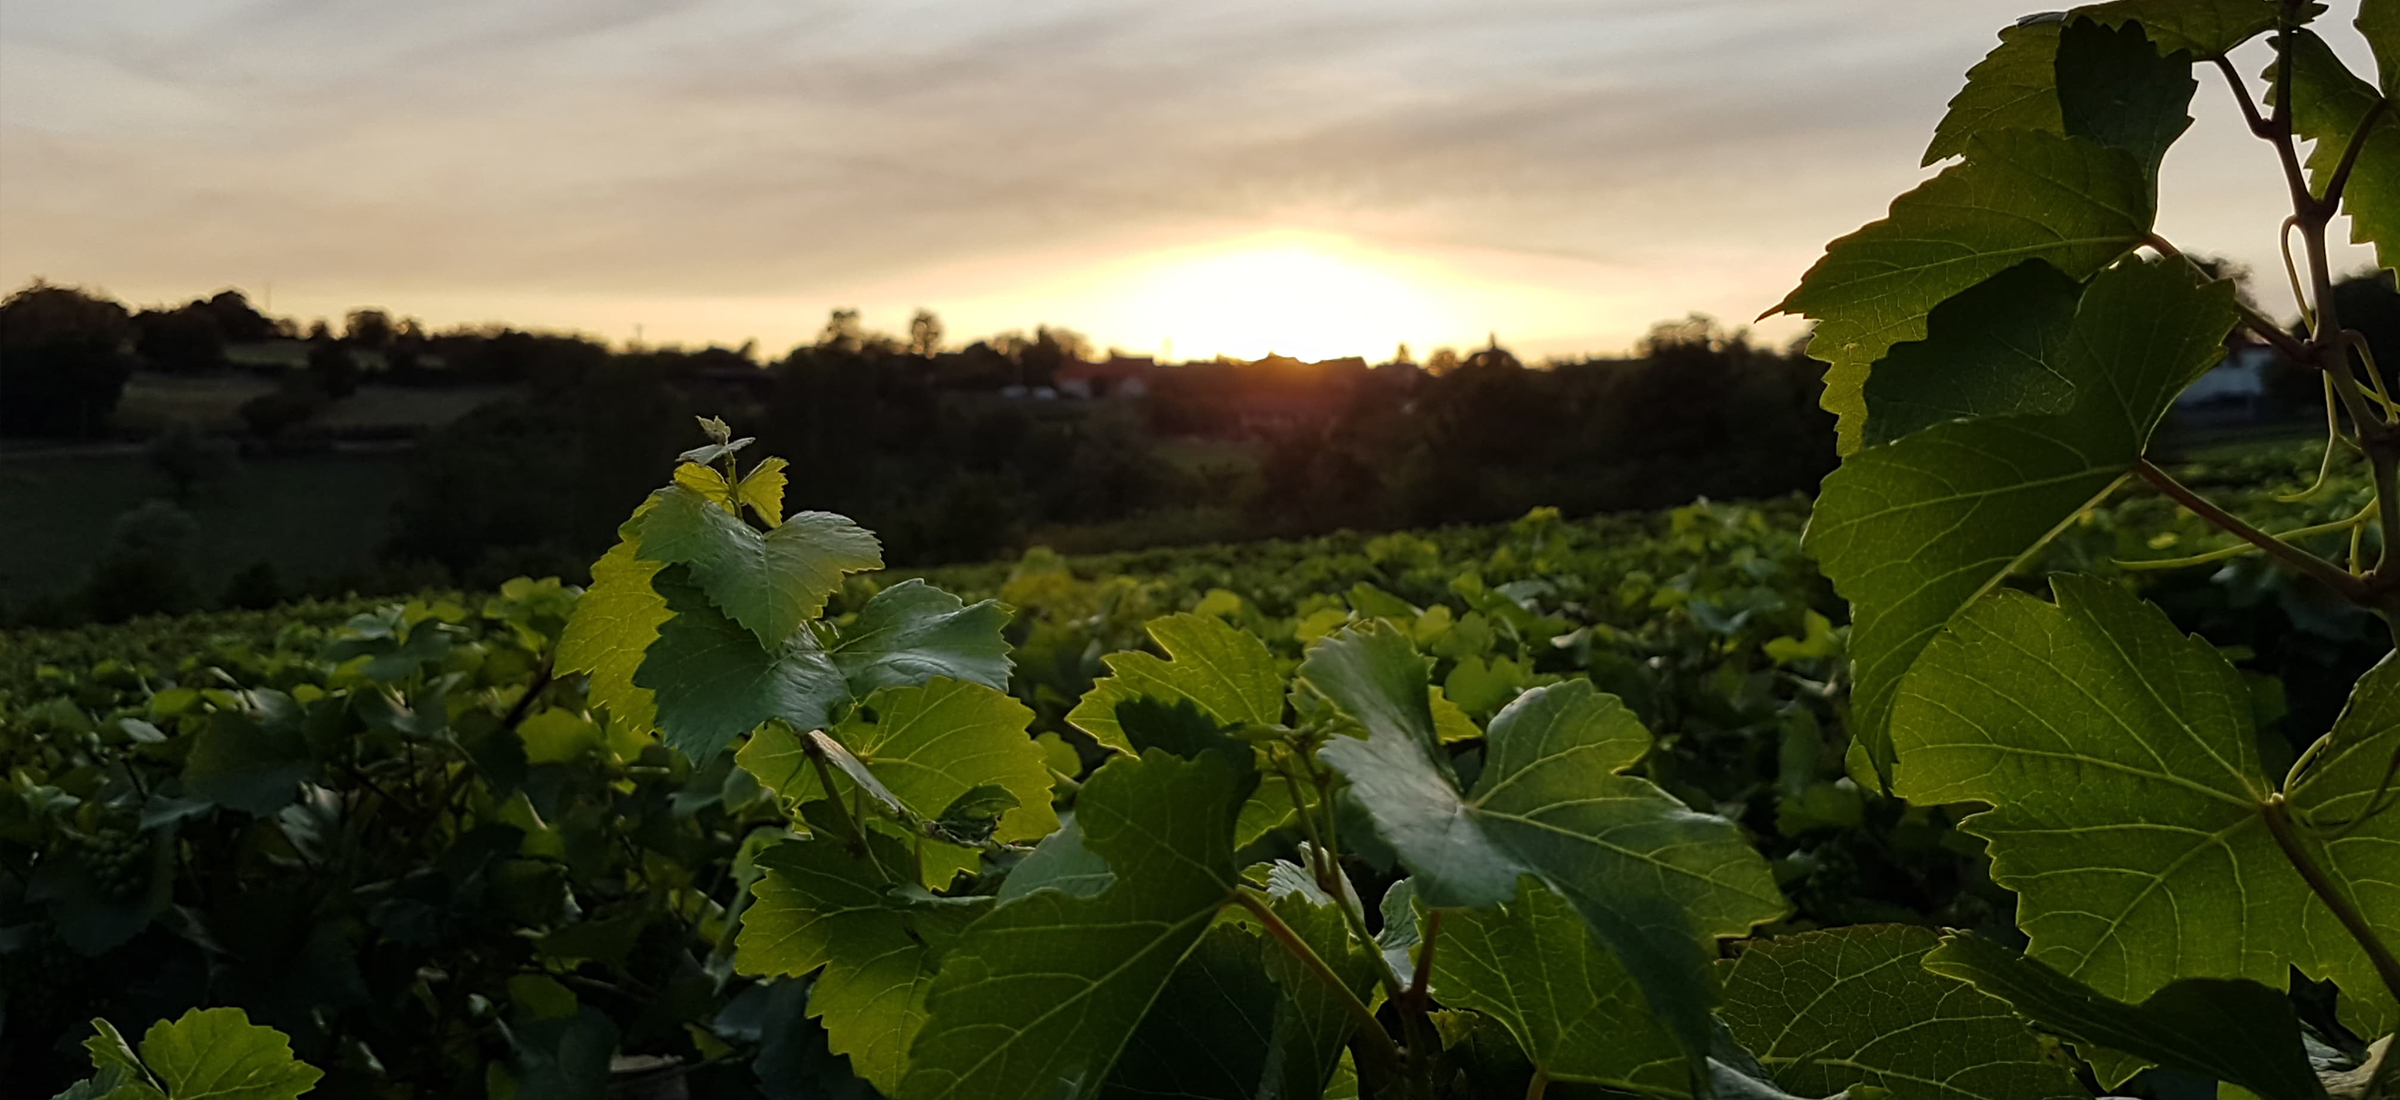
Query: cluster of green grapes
x,y
117,855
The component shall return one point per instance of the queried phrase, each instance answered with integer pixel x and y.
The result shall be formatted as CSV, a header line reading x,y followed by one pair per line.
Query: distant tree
x,y
187,458
237,322
843,332
318,331
369,328
1442,361
924,334
1401,358
64,359
180,341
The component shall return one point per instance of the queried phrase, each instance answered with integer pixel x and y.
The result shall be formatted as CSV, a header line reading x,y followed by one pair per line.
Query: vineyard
x,y
2025,762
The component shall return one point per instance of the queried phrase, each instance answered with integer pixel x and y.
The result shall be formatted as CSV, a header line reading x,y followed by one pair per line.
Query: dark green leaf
x,y
1913,531
912,632
2115,89
1657,883
2236,1031
1573,1009
712,682
251,760
1826,1011
2201,28
1060,862
1996,349
1036,1000
772,583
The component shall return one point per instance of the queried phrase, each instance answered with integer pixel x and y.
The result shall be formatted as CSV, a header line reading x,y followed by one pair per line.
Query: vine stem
x,y
2277,813
1369,1028
833,796
2331,575
1540,1084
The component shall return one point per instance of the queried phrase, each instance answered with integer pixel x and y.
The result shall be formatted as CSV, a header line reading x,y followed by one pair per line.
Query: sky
x,y
1192,178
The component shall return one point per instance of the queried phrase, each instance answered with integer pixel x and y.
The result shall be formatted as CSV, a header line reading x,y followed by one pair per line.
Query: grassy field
x,y
313,516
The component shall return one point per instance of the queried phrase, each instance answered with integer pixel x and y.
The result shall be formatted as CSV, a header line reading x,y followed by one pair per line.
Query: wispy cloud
x,y
606,158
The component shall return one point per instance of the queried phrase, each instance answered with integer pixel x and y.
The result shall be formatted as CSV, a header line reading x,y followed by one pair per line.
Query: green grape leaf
x,y
817,906
2202,28
218,1054
2115,89
1825,1011
1913,531
1062,862
912,632
1242,1018
1533,965
2328,103
932,743
2379,23
2019,195
2345,802
1657,882
2015,87
762,489
2235,1031
1993,350
614,624
771,583
1401,932
252,759
1038,997
2127,804
1224,671
712,682
117,1073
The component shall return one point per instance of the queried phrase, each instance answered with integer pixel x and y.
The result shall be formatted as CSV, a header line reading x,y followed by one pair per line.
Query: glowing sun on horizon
x,y
1296,298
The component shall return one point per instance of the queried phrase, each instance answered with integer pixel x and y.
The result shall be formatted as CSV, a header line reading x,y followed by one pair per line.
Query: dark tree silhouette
x,y
64,359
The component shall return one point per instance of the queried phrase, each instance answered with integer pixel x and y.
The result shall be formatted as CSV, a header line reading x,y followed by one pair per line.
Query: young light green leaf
x,y
1827,1011
1037,999
117,1073
770,583
2015,87
711,681
932,743
2235,1031
1533,965
2126,787
818,906
912,632
1913,531
1224,671
218,1054
1996,349
1656,882
2019,195
2328,104
613,626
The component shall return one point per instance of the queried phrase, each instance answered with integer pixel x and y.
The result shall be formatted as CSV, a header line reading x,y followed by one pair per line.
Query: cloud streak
x,y
708,162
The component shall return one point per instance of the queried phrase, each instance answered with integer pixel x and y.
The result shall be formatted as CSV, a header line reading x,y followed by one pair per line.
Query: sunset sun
x,y
1299,297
